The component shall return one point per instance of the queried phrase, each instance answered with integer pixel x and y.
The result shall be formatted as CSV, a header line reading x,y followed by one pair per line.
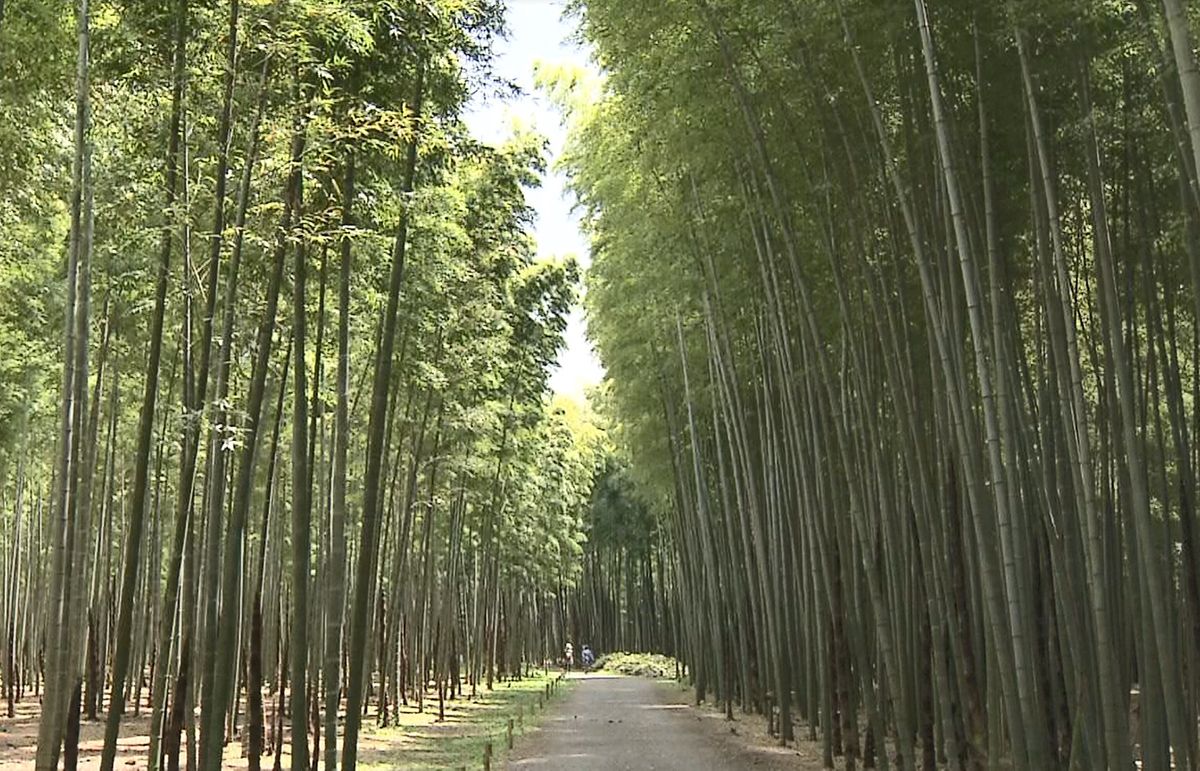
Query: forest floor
x,y
421,742
418,741
615,722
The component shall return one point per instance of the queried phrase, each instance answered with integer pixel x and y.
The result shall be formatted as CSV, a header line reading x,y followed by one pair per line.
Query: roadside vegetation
x,y
652,665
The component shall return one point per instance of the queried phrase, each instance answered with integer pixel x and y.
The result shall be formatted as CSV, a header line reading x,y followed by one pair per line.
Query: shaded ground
x,y
423,743
420,741
609,722
18,739
18,742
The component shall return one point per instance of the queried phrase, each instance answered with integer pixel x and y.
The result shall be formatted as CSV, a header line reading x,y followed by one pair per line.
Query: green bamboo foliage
x,y
268,546
898,302
898,306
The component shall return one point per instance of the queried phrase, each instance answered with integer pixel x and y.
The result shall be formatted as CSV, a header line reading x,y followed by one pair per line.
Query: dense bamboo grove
x,y
900,305
624,598
277,450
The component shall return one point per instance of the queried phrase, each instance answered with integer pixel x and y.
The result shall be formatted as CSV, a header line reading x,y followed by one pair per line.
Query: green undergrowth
x,y
420,741
653,665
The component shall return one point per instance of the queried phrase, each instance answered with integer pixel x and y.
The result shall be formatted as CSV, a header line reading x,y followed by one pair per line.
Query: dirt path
x,y
613,723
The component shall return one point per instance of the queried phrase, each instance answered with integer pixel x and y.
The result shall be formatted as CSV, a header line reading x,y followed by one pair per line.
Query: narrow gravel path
x,y
633,723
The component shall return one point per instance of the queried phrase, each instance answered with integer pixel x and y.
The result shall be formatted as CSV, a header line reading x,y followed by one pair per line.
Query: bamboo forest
x,y
892,460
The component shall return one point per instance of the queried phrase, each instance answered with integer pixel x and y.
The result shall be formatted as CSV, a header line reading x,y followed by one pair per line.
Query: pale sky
x,y
537,32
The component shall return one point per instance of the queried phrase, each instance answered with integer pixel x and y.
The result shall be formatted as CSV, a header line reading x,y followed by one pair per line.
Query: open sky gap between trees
x,y
899,304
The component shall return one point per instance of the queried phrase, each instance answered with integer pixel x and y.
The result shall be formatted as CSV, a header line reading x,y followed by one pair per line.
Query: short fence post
x,y
510,733
487,757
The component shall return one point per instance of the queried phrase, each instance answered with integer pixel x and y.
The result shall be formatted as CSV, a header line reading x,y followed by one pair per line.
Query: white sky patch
x,y
539,33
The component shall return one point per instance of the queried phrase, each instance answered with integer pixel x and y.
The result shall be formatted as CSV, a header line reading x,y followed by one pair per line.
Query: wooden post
x,y
510,733
487,757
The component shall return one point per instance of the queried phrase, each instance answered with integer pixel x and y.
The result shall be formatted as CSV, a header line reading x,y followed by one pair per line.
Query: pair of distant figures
x,y
587,658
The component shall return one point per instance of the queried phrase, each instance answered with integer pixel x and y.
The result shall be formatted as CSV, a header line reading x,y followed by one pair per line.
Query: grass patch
x,y
420,741
653,665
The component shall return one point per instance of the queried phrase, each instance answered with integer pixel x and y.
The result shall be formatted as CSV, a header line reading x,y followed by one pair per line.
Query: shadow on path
x,y
611,722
